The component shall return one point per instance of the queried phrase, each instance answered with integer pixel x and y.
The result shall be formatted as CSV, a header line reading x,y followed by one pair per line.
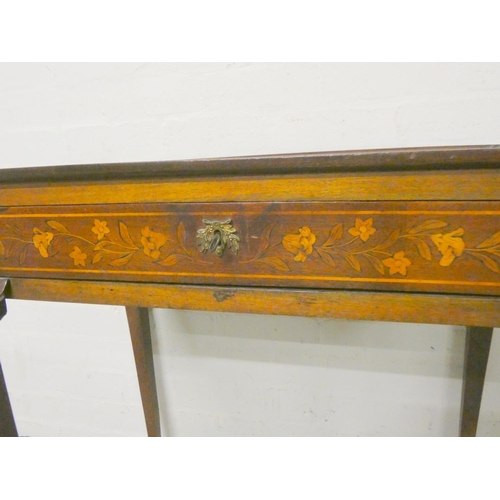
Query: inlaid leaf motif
x,y
22,255
487,261
491,241
422,247
335,235
326,256
11,249
351,260
494,251
172,259
14,230
57,245
124,259
377,263
264,240
275,263
57,226
52,243
125,235
427,226
97,257
181,233
392,238
103,244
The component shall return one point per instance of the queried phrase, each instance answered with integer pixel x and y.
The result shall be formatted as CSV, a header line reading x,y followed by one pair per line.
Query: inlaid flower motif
x,y
397,264
152,242
363,229
78,257
100,228
301,245
42,240
450,245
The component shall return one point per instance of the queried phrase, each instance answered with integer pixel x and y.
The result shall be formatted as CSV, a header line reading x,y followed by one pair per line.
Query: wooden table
x,y
407,235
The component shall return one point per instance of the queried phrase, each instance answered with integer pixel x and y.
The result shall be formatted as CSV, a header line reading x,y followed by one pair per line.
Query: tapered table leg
x,y
138,320
7,423
477,349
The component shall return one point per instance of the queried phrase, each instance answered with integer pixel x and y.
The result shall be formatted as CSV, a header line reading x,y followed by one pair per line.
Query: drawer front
x,y
398,246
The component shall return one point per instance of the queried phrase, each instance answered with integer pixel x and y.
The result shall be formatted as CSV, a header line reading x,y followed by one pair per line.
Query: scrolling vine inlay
x,y
117,247
424,246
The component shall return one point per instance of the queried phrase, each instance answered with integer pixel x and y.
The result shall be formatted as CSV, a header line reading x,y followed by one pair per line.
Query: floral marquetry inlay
x,y
450,245
118,248
301,245
397,264
363,229
393,246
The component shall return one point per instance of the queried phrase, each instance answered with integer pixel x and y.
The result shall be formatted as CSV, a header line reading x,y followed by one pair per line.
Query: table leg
x,y
7,422
3,303
140,333
477,349
3,307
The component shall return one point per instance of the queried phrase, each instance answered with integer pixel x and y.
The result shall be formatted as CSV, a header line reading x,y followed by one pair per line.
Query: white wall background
x,y
70,368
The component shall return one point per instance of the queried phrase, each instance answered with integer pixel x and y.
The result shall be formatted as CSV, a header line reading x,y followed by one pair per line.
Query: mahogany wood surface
x,y
3,303
480,184
377,160
394,235
341,304
7,423
477,349
398,246
140,333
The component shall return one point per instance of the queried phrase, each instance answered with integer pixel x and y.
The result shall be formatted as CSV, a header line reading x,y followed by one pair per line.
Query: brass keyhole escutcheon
x,y
216,236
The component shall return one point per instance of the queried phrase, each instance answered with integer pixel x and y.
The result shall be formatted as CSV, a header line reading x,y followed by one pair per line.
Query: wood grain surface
x,y
480,184
7,423
477,350
369,160
391,235
397,246
349,305
140,334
